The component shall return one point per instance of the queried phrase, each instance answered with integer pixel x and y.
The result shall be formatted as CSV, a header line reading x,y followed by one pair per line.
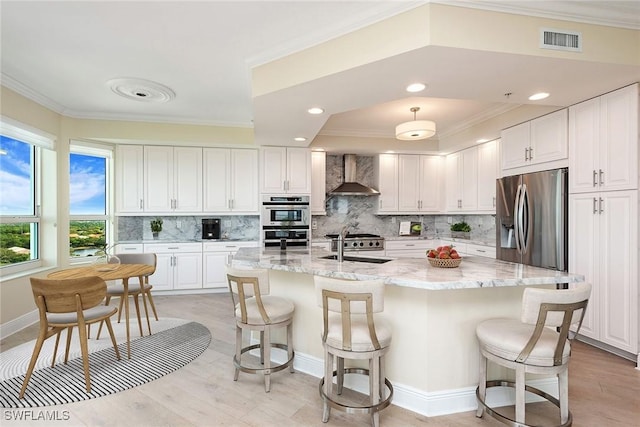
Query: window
x,y
20,174
89,213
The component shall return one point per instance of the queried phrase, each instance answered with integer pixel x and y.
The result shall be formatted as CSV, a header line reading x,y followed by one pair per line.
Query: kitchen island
x,y
433,362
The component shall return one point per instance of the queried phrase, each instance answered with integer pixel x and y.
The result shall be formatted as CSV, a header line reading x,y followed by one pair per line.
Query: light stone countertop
x,y
473,272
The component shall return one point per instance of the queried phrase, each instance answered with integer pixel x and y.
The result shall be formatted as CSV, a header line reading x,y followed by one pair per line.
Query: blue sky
x,y
87,181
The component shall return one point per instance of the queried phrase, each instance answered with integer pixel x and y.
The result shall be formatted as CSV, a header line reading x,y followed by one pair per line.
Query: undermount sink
x,y
358,259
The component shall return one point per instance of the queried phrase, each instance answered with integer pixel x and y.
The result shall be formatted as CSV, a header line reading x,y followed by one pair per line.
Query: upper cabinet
x,y
487,175
230,180
318,182
538,141
285,170
129,178
386,167
418,183
462,180
172,179
603,142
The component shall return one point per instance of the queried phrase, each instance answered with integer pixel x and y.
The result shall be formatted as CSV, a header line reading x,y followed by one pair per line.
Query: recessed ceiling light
x,y
538,96
315,110
300,138
481,140
416,87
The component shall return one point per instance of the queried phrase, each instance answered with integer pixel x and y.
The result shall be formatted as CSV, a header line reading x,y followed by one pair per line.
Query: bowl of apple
x,y
444,257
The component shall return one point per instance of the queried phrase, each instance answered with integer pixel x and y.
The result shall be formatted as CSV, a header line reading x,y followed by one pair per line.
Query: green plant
x,y
461,226
156,225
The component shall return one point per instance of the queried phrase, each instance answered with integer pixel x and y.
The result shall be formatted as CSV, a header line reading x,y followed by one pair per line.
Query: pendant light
x,y
415,129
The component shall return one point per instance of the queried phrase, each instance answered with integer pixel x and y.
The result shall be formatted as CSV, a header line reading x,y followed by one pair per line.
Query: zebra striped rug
x,y
152,357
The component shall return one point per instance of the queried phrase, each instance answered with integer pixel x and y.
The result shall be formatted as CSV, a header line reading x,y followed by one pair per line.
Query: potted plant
x,y
156,227
460,230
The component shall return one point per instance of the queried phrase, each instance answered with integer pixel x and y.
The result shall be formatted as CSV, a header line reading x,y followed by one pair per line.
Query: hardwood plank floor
x,y
603,389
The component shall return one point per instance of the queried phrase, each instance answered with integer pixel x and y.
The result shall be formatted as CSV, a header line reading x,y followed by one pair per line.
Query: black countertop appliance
x,y
210,228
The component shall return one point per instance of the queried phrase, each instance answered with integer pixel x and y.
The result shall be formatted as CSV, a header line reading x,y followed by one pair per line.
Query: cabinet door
x,y
187,188
215,275
453,168
298,171
515,140
549,139
129,178
274,169
217,177
244,181
408,183
584,250
158,179
187,270
469,179
429,183
318,182
584,143
487,175
387,165
619,139
618,257
162,279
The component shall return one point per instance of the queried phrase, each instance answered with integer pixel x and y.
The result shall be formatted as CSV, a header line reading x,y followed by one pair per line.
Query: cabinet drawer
x,y
227,246
393,245
485,251
172,247
136,248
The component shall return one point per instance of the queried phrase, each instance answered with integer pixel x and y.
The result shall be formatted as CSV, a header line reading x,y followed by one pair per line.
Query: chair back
x,y
147,259
68,295
248,290
561,309
351,299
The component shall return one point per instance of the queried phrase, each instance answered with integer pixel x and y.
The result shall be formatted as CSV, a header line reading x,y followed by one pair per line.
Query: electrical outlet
x,y
449,220
314,225
178,224
393,220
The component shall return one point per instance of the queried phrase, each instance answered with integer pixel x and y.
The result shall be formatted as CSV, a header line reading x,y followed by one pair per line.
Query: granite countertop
x,y
474,272
171,241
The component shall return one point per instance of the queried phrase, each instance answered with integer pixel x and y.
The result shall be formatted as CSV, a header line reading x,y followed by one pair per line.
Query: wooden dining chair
x,y
135,290
66,303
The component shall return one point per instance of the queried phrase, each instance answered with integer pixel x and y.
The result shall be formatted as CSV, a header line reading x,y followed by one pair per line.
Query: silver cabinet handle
x,y
530,153
526,154
601,203
601,173
177,247
494,202
141,204
595,205
595,178
481,250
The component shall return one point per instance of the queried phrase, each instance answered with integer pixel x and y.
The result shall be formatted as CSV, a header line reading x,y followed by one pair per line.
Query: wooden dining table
x,y
122,272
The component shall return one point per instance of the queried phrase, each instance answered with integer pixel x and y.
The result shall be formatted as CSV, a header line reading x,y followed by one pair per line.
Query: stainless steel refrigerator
x,y
532,219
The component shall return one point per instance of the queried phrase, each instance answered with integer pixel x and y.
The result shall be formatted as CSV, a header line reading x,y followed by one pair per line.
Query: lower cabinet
x,y
603,246
217,255
408,248
179,265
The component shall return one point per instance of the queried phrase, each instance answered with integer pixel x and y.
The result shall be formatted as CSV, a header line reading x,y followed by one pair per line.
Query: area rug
x,y
172,345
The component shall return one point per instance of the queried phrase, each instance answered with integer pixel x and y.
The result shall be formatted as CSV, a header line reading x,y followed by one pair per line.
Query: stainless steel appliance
x,y
210,228
358,242
531,219
285,221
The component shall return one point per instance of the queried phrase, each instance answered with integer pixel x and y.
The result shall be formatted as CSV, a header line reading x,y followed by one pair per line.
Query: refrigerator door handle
x,y
525,215
516,216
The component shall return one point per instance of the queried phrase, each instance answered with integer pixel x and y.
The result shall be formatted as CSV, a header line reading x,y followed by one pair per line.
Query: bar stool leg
x,y
482,385
290,346
563,394
340,369
374,388
238,351
328,383
266,347
520,378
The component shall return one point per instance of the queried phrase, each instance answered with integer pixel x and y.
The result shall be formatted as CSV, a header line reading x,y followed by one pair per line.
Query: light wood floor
x,y
604,389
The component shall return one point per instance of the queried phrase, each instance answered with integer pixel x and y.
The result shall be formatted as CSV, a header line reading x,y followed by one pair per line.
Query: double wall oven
x,y
285,221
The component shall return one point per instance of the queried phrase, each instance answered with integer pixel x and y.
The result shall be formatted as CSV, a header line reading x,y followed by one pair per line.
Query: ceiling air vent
x,y
560,40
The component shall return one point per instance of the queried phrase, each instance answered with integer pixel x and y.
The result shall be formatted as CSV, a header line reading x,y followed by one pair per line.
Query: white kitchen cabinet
x,y
285,170
535,142
129,178
230,180
179,265
462,180
487,175
418,183
603,246
217,255
386,169
172,179
318,183
127,248
603,142
480,250
414,248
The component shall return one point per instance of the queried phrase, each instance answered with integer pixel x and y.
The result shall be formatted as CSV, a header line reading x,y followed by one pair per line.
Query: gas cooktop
x,y
358,242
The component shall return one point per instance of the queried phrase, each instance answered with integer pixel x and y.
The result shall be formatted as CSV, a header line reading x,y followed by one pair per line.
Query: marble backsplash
x,y
187,228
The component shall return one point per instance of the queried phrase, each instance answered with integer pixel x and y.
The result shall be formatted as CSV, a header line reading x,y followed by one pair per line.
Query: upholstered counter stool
x,y
538,343
349,332
256,310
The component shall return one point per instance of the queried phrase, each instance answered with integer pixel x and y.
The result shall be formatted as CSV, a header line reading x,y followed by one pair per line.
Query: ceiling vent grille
x,y
560,40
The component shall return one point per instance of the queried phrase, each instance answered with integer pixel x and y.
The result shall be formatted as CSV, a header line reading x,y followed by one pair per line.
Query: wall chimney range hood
x,y
350,187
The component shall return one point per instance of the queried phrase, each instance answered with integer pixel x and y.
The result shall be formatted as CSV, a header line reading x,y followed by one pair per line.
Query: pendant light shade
x,y
415,129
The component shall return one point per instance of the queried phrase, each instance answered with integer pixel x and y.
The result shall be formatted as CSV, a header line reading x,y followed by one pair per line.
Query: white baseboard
x,y
429,404
17,324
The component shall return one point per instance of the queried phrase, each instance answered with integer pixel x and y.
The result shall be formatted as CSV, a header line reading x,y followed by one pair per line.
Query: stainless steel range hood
x,y
350,187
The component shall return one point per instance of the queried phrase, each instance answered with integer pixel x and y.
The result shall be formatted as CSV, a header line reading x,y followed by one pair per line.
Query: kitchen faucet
x,y
343,233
